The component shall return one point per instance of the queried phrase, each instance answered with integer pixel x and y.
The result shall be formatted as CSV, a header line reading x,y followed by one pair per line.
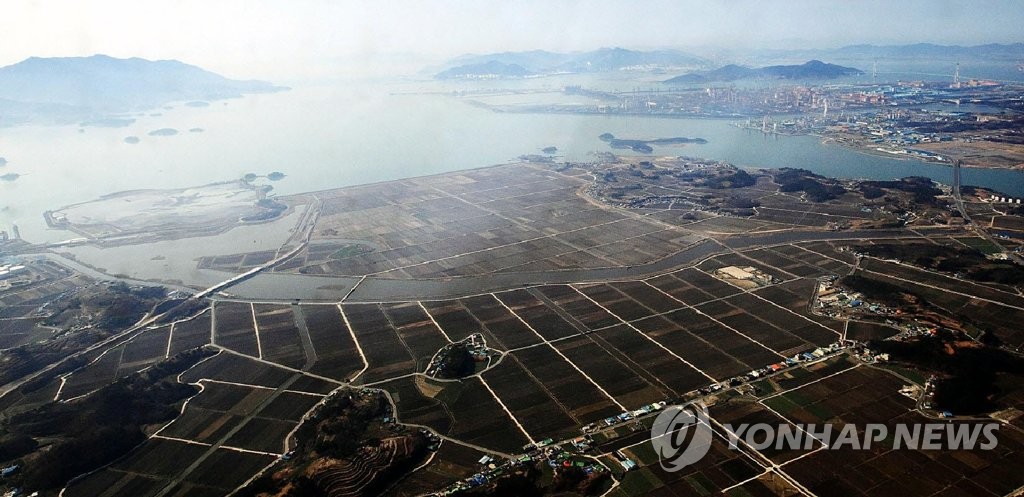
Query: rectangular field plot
x,y
585,401
314,384
452,462
95,375
779,329
203,425
707,283
187,335
387,356
236,399
732,259
648,361
647,296
796,296
147,348
579,306
681,291
783,262
533,405
615,302
830,249
279,336
235,328
159,458
863,331
234,368
755,329
214,412
502,329
416,331
537,315
454,319
737,412
336,353
262,435
422,401
112,483
727,340
865,395
16,332
620,374
719,469
464,410
702,354
823,262
798,324
225,470
857,395
290,406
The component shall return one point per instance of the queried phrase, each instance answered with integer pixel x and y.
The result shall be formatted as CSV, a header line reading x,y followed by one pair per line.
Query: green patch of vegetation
x,y
644,454
798,398
700,483
764,387
349,250
820,411
640,481
782,405
910,374
450,391
986,247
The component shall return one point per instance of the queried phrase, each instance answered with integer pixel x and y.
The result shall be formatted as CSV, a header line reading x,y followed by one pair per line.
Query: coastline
x,y
825,139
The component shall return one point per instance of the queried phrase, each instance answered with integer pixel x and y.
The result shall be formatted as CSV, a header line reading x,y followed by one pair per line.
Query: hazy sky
x,y
254,38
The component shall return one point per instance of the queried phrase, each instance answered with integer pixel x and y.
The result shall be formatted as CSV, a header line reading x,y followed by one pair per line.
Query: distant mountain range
x,y
487,69
67,89
540,62
992,51
537,62
814,69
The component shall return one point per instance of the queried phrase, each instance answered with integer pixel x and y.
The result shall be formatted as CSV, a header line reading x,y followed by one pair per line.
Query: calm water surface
x,y
339,135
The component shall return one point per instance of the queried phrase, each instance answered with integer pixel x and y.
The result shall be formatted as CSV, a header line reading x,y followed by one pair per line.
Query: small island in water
x,y
3,162
131,140
549,150
10,176
644,146
274,176
164,132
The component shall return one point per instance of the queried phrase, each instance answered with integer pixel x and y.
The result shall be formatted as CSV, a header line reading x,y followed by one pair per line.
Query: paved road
x,y
980,230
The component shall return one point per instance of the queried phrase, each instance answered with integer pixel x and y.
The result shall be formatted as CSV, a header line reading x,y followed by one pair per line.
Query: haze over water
x,y
330,135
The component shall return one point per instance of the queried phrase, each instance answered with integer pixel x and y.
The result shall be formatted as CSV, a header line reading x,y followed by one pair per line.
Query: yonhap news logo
x,y
669,433
682,436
